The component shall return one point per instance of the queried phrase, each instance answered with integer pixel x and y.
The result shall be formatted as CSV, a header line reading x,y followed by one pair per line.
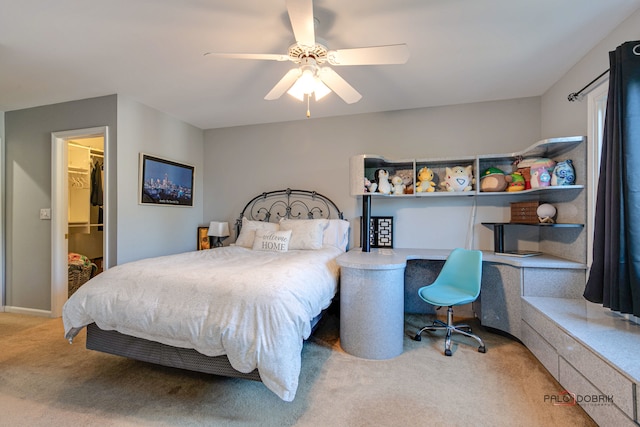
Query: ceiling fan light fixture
x,y
297,91
307,81
307,84
311,52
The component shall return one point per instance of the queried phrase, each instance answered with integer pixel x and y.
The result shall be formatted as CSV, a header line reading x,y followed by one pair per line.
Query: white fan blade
x,y
284,84
391,54
265,56
301,17
339,85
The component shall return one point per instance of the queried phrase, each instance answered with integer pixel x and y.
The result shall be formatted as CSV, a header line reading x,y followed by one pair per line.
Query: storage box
x,y
524,212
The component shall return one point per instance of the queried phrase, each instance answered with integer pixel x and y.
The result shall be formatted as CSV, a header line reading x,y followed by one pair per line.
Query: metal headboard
x,y
271,206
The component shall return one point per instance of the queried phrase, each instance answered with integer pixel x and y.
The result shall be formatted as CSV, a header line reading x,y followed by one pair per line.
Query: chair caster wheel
x,y
417,338
447,352
482,349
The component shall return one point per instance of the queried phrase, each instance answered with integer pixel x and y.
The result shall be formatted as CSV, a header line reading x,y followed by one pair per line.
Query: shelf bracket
x,y
365,231
498,238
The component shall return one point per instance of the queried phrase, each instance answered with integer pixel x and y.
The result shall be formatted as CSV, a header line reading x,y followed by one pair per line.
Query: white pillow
x,y
272,241
249,228
305,233
337,234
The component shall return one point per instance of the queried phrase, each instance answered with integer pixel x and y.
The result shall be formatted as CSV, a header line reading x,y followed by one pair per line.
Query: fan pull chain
x,y
308,111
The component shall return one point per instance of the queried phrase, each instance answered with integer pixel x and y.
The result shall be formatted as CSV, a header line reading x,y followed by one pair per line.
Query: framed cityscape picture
x,y
165,182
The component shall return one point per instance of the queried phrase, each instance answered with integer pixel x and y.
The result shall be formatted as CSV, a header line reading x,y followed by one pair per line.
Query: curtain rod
x,y
577,96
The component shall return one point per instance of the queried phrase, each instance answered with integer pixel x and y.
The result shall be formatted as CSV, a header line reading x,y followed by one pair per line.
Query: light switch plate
x,y
45,213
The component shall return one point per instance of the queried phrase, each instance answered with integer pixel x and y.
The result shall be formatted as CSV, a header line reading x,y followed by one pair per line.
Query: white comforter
x,y
253,306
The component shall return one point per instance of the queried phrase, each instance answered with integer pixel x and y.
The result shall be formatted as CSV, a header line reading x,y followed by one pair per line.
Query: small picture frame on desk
x,y
381,232
203,238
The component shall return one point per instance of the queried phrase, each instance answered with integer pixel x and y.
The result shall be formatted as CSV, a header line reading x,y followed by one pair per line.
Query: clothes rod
x,y
577,96
91,149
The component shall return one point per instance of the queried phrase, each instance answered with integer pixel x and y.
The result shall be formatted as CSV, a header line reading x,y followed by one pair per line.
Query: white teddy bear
x,y
398,185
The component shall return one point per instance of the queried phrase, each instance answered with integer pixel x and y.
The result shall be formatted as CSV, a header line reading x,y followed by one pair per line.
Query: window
x,y
597,107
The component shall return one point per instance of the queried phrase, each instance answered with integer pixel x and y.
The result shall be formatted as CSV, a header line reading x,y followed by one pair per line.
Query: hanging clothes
x,y
96,184
97,192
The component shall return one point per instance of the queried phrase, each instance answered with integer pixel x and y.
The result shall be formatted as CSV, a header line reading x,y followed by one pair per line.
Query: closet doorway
x,y
78,211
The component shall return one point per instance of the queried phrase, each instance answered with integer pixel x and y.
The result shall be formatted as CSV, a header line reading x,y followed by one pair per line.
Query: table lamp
x,y
219,230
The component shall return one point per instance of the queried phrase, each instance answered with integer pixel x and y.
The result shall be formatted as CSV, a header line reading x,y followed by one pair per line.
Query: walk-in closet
x,y
86,209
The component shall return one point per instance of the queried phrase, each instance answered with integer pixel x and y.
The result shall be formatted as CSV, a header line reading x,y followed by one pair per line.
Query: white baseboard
x,y
28,311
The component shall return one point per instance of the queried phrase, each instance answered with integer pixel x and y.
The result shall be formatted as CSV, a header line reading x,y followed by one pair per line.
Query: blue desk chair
x,y
458,283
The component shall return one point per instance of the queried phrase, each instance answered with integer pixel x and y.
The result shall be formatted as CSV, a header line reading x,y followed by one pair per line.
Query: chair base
x,y
462,329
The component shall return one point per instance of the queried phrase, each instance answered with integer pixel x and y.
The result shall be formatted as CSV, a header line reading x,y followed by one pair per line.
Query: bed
x,y
242,310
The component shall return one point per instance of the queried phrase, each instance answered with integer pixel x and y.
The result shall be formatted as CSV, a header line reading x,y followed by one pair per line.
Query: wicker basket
x,y
79,274
525,212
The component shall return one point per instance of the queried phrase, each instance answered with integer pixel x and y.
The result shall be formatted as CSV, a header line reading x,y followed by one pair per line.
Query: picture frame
x,y
381,232
203,238
164,182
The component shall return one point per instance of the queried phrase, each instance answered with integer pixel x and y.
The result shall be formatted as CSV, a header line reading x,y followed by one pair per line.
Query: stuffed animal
x,y
398,185
541,172
407,178
516,182
369,187
563,174
540,177
493,179
458,178
425,181
524,167
382,180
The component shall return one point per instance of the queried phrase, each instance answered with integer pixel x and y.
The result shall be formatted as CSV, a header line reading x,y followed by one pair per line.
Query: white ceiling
x,y
152,51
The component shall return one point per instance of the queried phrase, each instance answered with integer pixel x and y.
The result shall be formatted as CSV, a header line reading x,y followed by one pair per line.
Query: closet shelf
x,y
79,170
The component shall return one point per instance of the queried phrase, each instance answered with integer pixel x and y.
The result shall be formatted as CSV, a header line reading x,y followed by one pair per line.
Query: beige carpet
x,y
44,381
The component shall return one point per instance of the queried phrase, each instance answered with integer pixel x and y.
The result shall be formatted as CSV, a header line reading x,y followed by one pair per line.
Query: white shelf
x,y
532,190
364,165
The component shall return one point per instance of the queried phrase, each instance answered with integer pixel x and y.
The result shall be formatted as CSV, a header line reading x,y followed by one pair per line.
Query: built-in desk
x,y
372,293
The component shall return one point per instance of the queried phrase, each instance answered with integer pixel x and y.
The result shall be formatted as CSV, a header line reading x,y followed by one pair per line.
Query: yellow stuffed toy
x,y
425,181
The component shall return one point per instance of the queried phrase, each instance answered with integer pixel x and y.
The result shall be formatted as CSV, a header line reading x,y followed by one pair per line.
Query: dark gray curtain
x,y
614,279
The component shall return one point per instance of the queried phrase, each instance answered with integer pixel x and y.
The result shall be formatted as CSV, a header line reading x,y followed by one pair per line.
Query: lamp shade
x,y
307,85
218,229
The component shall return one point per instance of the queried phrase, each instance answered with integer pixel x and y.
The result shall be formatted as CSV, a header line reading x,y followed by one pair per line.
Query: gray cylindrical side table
x,y
372,312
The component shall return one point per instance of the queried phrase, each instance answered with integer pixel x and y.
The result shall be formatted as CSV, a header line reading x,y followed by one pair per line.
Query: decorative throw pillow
x,y
248,231
272,241
305,233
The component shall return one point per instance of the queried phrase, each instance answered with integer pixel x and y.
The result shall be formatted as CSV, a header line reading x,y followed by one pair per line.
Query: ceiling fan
x,y
310,76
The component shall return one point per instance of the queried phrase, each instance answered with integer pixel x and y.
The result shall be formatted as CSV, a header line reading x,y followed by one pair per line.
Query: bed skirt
x,y
113,342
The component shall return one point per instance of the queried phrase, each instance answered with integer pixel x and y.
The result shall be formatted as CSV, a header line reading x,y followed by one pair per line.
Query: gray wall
x,y
561,117
135,231
314,154
143,230
28,189
2,204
